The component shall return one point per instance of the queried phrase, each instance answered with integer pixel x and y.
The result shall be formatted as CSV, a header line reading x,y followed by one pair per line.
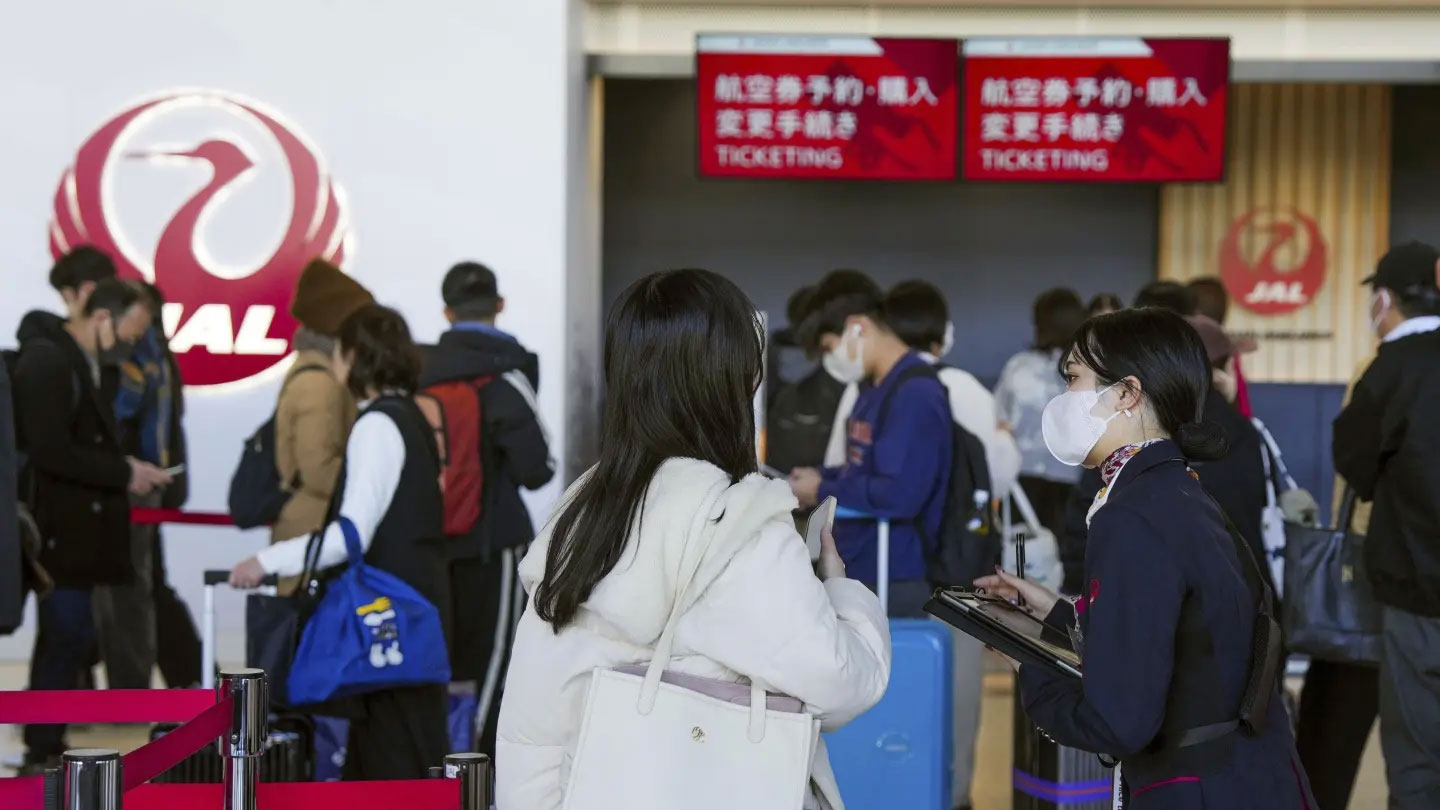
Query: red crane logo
x,y
1273,260
225,324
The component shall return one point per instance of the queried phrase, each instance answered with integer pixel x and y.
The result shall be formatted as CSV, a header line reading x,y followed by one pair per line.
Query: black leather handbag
x,y
1330,613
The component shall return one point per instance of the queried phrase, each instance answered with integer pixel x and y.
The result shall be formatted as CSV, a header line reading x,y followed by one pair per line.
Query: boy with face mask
x,y
898,443
76,478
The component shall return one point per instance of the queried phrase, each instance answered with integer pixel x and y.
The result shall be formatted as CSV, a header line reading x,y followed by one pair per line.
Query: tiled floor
x,y
991,790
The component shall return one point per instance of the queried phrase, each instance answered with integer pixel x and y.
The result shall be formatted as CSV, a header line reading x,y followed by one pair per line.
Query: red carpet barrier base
x,y
204,720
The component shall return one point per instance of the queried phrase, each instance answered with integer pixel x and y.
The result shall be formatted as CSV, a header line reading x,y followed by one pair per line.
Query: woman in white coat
x,y
683,358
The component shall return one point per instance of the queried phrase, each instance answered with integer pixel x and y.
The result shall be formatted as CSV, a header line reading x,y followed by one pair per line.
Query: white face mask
x,y
1379,308
1071,431
949,342
838,361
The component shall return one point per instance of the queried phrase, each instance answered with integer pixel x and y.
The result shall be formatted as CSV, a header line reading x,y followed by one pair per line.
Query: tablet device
x,y
1007,628
820,517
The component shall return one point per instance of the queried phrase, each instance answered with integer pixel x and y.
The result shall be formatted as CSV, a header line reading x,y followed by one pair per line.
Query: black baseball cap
x,y
469,283
1408,269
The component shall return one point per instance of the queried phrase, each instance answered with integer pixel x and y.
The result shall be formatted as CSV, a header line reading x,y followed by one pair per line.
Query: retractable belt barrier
x,y
234,716
145,516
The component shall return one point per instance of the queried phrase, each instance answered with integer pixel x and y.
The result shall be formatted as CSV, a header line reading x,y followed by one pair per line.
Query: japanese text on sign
x,y
790,90
834,107
1102,109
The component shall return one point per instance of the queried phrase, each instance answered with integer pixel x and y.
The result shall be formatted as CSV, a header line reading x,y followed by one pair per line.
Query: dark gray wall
x,y
1415,180
991,247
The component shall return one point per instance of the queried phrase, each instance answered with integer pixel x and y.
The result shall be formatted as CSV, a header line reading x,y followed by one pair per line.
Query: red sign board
x,y
818,107
1116,109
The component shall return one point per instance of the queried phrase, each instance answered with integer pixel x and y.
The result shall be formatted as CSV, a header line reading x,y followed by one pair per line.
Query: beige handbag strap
x,y
650,690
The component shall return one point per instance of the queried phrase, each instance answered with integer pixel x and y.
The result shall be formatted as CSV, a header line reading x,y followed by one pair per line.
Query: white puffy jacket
x,y
760,612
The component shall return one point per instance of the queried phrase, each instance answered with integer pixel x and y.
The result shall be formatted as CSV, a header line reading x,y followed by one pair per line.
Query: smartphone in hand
x,y
820,517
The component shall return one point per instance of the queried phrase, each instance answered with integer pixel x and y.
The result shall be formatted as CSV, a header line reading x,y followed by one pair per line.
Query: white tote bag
x,y
646,744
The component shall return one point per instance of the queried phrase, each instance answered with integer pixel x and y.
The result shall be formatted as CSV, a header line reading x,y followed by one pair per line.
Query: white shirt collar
x,y
1413,326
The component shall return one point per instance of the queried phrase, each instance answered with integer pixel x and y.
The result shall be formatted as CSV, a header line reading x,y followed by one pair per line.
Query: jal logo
x,y
1273,260
220,202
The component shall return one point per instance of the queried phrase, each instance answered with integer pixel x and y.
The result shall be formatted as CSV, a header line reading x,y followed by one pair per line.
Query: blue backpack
x,y
371,631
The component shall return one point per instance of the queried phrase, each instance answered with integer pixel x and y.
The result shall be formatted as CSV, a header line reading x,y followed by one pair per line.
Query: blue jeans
x,y
62,651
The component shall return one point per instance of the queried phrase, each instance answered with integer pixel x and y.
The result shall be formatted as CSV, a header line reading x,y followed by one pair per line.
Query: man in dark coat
x,y
76,478
486,599
1387,447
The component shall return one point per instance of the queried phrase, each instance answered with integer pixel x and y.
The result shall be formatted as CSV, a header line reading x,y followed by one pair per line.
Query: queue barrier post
x,y
91,779
245,743
473,771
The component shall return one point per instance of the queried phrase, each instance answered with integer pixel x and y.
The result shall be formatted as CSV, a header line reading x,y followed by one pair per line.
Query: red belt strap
x,y
145,515
104,706
420,794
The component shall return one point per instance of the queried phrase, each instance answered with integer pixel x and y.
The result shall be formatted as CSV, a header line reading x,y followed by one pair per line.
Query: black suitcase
x,y
289,754
289,745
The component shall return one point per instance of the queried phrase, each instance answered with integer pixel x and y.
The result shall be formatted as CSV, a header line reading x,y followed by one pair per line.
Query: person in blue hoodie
x,y
898,442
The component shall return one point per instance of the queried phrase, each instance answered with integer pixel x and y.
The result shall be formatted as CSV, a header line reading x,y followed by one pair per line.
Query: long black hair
x,y
1162,351
683,355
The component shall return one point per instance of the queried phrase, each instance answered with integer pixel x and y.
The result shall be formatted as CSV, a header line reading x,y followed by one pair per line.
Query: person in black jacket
x,y
12,586
76,478
1236,480
800,412
1387,447
515,454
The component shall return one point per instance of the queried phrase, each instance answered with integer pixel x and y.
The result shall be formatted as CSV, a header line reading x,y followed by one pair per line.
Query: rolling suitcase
x,y
900,755
289,746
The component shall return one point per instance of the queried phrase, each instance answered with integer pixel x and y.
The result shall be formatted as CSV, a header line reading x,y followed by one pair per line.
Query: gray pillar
x,y
243,746
91,779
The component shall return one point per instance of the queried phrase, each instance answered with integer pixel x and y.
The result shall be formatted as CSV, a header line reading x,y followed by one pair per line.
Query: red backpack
x,y
454,412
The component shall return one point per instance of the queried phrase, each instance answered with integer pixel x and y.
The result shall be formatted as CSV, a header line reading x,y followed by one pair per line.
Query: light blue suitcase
x,y
900,755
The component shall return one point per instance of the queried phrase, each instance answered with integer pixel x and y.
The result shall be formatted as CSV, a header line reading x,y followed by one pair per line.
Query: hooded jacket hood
x,y
40,324
464,354
690,508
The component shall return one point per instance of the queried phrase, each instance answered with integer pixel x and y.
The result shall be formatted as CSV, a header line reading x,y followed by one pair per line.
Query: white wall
x,y
447,122
1381,32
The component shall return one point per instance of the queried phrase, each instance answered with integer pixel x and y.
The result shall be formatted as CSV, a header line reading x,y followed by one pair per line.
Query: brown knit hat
x,y
325,297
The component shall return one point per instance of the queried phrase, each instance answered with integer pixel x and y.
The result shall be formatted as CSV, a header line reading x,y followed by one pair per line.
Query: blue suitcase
x,y
900,755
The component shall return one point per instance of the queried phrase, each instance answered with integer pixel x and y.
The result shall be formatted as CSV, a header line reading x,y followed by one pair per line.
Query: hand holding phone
x,y
819,535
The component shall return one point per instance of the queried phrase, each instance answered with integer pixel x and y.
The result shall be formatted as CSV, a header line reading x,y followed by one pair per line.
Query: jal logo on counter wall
x,y
1273,260
220,202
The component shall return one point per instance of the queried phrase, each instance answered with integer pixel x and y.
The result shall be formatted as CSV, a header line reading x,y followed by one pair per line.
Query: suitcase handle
x,y
882,553
207,640
213,578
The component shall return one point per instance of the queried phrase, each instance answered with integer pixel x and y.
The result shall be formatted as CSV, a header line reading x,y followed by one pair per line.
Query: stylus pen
x,y
1020,557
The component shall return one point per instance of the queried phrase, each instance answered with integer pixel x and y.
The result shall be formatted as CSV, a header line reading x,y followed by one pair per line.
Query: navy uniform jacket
x,y
1166,617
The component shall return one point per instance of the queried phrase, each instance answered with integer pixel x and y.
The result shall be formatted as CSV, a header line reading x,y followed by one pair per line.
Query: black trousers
x,y
177,645
64,642
1338,706
486,601
401,735
1049,499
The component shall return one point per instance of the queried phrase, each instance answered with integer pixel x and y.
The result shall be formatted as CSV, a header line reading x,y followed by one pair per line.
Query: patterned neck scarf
x,y
1110,470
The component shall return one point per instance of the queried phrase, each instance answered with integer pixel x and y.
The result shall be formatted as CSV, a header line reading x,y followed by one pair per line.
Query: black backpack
x,y
798,421
968,546
256,493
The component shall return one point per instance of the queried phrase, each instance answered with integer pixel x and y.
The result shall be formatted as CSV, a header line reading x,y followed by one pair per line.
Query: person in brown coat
x,y
315,411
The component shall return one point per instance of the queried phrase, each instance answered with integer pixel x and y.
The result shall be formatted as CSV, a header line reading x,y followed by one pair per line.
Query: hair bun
x,y
1202,441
